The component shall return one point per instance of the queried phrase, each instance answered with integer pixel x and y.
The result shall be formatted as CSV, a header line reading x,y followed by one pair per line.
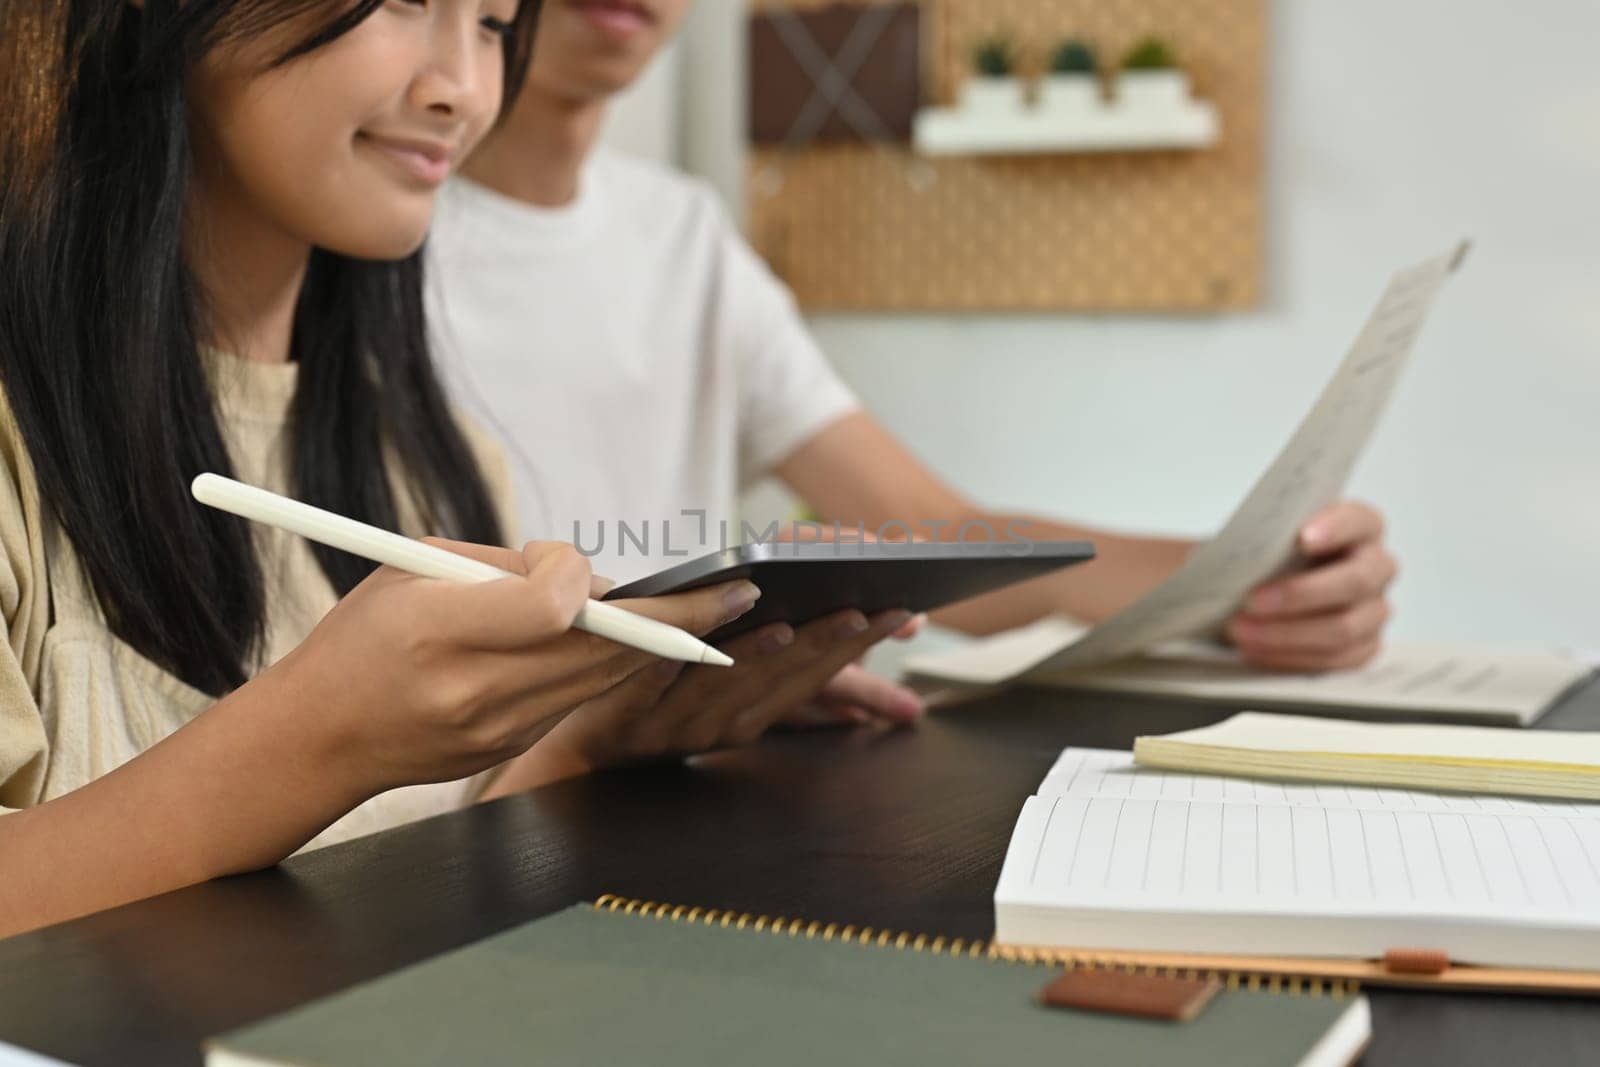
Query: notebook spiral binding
x,y
1292,985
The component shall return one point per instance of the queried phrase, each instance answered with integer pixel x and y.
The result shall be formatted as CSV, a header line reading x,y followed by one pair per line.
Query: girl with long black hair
x,y
210,216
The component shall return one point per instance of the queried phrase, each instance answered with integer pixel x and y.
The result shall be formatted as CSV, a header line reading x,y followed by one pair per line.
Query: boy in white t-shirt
x,y
605,317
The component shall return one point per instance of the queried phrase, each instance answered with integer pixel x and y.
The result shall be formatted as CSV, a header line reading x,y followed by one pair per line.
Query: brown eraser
x,y
1151,996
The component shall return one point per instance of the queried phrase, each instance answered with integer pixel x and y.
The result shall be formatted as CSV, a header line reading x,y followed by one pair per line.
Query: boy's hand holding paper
x,y
1331,615
1271,536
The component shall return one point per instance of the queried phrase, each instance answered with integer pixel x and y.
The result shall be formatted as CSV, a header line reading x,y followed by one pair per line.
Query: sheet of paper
x,y
12,1056
998,659
1001,658
1172,867
1258,541
1508,686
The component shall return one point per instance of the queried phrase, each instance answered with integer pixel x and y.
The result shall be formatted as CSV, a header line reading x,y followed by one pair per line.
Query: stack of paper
x,y
1541,763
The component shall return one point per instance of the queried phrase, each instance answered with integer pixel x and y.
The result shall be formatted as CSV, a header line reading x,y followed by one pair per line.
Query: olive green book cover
x,y
591,985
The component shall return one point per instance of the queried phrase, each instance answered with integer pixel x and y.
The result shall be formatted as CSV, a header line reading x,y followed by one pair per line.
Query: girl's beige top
x,y
76,701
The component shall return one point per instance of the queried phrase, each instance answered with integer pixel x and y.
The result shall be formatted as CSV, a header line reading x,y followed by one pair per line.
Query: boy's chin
x,y
593,80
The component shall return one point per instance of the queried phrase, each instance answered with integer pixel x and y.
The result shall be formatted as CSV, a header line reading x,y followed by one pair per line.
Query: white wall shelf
x,y
1192,124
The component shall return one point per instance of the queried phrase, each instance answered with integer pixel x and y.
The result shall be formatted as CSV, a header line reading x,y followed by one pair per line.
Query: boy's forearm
x,y
856,471
1124,568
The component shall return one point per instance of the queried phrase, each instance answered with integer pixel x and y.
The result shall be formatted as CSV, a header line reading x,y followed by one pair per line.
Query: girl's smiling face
x,y
345,147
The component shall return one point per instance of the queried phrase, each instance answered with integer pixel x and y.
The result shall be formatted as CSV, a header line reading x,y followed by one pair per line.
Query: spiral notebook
x,y
623,982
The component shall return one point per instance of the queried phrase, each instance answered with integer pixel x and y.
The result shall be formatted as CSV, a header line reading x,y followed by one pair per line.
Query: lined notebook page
x,y
1104,838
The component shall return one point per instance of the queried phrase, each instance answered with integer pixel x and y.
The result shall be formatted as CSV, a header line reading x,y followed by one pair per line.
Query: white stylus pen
x,y
381,546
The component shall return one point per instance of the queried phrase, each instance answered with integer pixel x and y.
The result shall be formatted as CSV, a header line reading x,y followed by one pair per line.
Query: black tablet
x,y
805,580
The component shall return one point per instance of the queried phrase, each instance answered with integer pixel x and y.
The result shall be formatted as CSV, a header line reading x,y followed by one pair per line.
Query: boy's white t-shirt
x,y
637,358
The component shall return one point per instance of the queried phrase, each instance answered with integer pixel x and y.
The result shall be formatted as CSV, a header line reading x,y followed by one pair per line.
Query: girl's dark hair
x,y
99,314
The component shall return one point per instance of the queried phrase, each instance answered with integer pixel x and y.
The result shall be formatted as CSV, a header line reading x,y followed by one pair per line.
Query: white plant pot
x,y
1069,92
1157,90
989,95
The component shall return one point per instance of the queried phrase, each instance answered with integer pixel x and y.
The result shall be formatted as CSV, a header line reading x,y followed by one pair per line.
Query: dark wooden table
x,y
904,829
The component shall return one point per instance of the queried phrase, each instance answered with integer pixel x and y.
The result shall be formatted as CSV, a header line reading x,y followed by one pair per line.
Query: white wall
x,y
1394,129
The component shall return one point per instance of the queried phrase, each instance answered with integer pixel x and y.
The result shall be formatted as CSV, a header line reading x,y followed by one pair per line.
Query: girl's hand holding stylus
x,y
457,677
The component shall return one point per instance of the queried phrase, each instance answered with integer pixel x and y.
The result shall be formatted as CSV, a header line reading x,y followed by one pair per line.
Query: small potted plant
x,y
994,85
1150,77
1071,83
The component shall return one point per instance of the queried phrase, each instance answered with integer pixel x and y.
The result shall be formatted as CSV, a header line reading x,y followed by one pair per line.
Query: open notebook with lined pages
x,y
1108,855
